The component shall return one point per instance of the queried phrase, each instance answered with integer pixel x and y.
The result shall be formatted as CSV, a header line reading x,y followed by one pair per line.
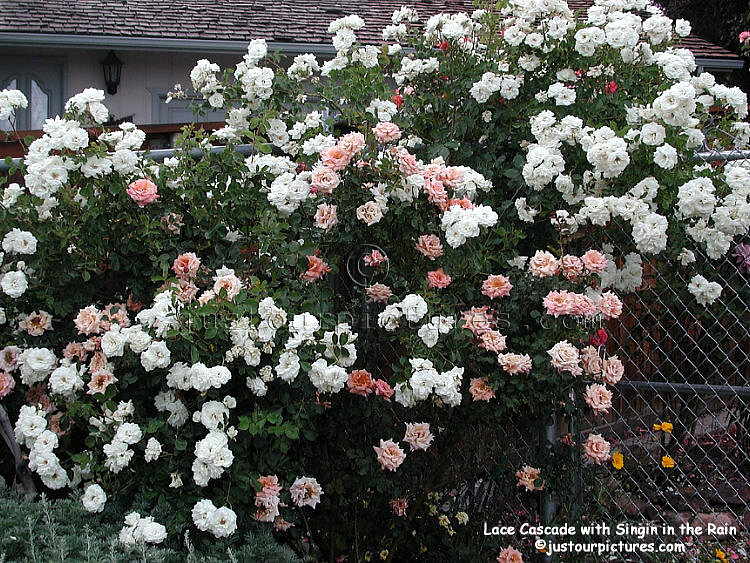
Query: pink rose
x,y
598,397
360,382
583,305
543,264
375,259
186,265
369,213
496,286
306,491
7,383
325,217
382,389
88,320
612,370
515,363
399,506
352,143
596,448
493,341
438,279
231,284
436,193
386,132
510,555
478,320
610,305
480,389
316,269
744,36
594,261
378,293
572,266
142,192
526,477
323,180
430,246
9,358
592,363
565,357
451,176
407,163
418,435
390,455
559,303
335,158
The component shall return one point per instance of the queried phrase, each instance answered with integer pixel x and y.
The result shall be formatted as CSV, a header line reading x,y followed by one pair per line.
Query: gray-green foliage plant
x,y
37,529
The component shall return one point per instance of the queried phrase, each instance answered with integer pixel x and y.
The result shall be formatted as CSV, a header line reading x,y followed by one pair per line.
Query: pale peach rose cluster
x,y
9,358
569,303
610,305
598,397
515,363
438,177
496,286
566,357
545,264
596,448
362,383
480,321
35,323
480,389
430,246
267,499
91,320
341,154
527,476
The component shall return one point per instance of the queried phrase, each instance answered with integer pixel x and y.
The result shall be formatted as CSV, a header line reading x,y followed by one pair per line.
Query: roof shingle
x,y
298,21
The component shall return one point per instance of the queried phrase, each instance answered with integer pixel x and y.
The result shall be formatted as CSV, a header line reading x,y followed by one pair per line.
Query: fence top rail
x,y
693,388
161,154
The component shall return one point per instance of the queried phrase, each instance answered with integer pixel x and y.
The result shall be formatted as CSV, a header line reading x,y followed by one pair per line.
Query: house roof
x,y
280,21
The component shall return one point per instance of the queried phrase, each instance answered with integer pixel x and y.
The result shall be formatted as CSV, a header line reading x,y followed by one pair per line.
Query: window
x,y
178,111
42,86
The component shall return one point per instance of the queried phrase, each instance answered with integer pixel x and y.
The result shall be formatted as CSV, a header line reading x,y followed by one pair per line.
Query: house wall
x,y
144,74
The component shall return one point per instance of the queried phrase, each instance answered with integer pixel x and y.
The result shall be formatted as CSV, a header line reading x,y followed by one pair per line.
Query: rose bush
x,y
405,260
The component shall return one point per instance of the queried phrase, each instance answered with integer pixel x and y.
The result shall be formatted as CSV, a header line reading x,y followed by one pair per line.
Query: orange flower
x,y
667,462
617,460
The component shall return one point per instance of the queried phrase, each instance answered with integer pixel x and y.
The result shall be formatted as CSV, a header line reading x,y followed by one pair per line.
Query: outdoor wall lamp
x,y
112,70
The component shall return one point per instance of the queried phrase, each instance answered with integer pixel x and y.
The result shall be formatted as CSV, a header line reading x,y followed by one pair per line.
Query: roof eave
x,y
104,42
724,65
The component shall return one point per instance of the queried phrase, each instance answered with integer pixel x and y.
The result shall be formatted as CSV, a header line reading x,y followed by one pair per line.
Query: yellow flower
x,y
384,554
462,518
433,510
721,556
368,556
664,427
422,548
667,461
617,460
451,531
444,521
433,496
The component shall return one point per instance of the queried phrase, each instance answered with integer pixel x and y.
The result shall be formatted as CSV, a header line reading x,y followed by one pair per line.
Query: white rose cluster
x,y
413,308
425,379
35,364
167,401
430,332
212,458
139,530
461,224
221,522
10,101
